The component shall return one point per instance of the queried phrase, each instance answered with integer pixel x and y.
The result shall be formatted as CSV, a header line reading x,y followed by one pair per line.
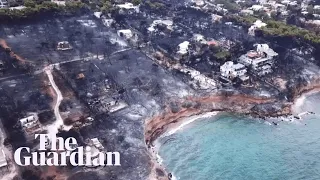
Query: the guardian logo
x,y
59,152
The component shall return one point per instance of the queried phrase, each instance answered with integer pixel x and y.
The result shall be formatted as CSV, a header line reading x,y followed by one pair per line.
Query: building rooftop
x,y
253,54
183,47
97,14
266,49
27,120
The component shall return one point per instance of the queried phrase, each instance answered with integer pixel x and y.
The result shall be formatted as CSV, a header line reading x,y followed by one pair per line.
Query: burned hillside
x,y
99,77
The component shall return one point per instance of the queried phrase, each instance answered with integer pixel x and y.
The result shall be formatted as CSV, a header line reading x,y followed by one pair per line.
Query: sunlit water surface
x,y
232,147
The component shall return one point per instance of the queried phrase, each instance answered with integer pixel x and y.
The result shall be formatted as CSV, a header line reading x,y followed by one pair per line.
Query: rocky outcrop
x,y
194,106
177,111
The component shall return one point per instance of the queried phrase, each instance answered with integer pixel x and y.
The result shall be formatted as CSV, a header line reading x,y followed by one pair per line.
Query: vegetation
x,y
229,5
106,7
242,20
222,55
219,53
45,8
136,2
276,28
281,29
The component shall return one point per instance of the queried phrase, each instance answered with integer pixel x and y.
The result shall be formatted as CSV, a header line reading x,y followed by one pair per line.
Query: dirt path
x,y
53,128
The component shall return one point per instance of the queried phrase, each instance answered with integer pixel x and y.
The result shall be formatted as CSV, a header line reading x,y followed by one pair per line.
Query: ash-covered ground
x,y
110,68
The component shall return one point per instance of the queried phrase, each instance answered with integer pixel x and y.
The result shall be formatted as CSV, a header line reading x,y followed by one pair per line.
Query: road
x,y
53,128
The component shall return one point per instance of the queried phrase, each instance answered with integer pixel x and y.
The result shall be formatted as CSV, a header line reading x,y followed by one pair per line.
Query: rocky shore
x,y
176,112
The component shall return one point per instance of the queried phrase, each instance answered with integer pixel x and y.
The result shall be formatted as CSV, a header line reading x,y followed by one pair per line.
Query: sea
x,y
234,147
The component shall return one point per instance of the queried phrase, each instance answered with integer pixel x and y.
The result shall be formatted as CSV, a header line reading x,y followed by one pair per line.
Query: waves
x,y
230,147
188,121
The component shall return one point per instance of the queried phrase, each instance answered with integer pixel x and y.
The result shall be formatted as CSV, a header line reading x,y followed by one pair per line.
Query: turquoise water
x,y
240,148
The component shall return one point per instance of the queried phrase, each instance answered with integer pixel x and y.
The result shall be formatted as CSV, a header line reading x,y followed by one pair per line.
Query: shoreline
x,y
173,129
159,125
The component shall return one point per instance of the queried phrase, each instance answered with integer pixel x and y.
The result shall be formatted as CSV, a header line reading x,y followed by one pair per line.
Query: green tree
x,y
30,3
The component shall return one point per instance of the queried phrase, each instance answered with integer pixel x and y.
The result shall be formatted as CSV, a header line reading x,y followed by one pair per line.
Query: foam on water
x,y
188,121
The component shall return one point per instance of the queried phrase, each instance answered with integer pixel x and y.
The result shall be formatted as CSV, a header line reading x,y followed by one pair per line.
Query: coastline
x,y
299,100
168,123
173,128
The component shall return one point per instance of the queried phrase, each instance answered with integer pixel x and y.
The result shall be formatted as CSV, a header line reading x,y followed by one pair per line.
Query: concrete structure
x,y
60,3
199,2
256,25
230,70
199,38
216,17
247,12
29,121
126,33
63,46
316,7
261,60
129,6
3,159
17,8
183,48
112,105
167,23
107,22
97,14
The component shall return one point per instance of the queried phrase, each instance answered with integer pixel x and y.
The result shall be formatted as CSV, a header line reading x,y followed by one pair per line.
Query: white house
x,y
316,7
29,121
183,48
1,65
230,70
261,60
97,14
128,6
127,33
